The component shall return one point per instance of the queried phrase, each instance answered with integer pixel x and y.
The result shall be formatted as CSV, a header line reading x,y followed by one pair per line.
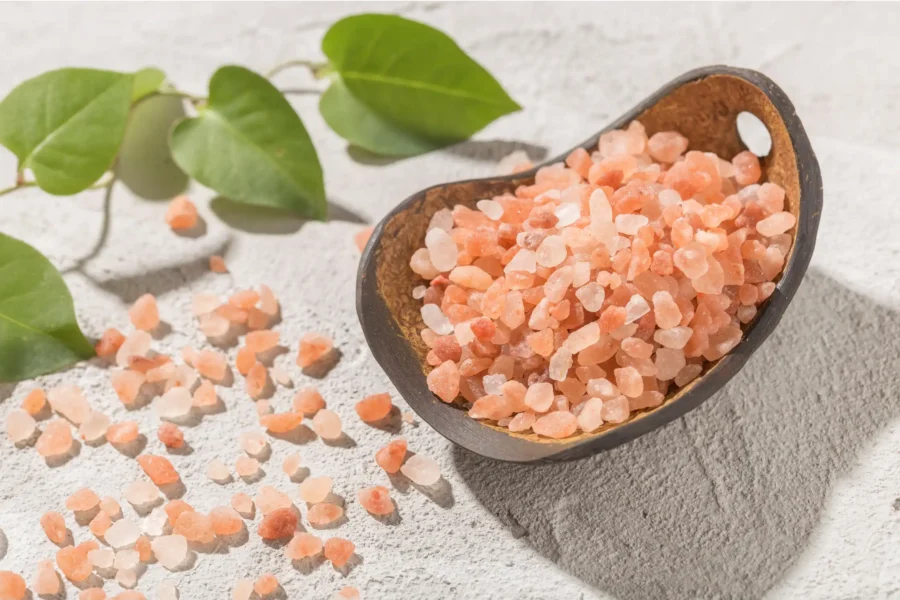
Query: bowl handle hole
x,y
753,134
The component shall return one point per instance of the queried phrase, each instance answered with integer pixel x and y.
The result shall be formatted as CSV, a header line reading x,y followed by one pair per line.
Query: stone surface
x,y
826,479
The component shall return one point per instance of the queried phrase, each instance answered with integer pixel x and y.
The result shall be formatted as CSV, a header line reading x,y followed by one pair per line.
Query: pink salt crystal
x,y
420,263
615,410
246,467
722,342
167,591
421,470
82,500
54,526
442,250
629,381
408,417
214,326
591,296
374,408
590,418
390,458
281,377
110,506
669,363
745,314
141,493
636,308
308,401
666,310
217,471
34,402
46,581
92,594
558,424
637,347
262,340
315,489
73,561
257,380
243,504
243,589
195,527
217,264
522,422
144,314
376,500
109,343
324,513
268,303
675,337
269,499
122,534
127,385
552,251
687,374
170,435
691,260
557,284
122,433
581,338
253,443
612,318
56,439
203,304
291,464
94,427
524,261
281,422
490,407
102,558
667,146
746,168
303,545
12,586
338,551
20,426
181,214
265,585
211,364
776,224
136,344
204,396
313,346
327,424
170,550
69,401
175,404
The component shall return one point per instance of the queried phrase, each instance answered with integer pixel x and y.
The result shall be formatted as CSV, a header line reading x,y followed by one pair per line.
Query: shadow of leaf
x,y
145,163
262,219
479,150
721,502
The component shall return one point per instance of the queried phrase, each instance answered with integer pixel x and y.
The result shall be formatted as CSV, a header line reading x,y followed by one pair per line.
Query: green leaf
x,y
67,126
38,330
146,81
248,144
363,127
414,76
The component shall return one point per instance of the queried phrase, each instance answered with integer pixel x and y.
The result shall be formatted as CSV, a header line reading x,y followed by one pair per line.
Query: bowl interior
x,y
703,106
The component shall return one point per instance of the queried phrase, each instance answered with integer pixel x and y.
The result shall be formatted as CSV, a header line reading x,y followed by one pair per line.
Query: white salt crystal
x,y
463,332
155,523
421,470
544,197
629,224
539,396
668,197
218,472
578,340
602,388
122,534
435,319
127,578
675,338
281,376
441,249
601,211
203,304
581,274
560,363
167,590
493,384
589,418
442,219
102,558
567,213
625,331
141,493
243,589
492,210
69,401
136,344
525,260
170,550
253,443
174,404
419,292
20,426
552,251
636,308
94,427
511,161
591,296
126,559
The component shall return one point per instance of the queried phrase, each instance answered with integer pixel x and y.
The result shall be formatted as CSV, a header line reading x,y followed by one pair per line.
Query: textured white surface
x,y
786,483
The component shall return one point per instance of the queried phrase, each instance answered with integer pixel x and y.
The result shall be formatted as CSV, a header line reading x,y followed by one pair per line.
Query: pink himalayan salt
x,y
245,360
92,594
253,443
214,326
246,467
94,427
195,527
269,499
291,464
141,493
557,424
170,550
211,364
361,237
204,396
34,402
46,580
281,377
102,558
174,508
421,470
390,458
122,433
324,513
339,551
144,314
348,592
776,224
265,585
281,422
175,404
315,489
303,545
262,340
687,374
263,408
181,214
217,471
159,469
374,408
74,562
110,506
313,346
20,426
217,264
129,594
136,344
746,168
127,385
327,425
615,410
242,590
56,439
109,343
667,146
54,526
376,500
308,401
539,397
82,500
100,524
69,401
591,418
257,380
12,586
444,381
243,504
442,250
280,523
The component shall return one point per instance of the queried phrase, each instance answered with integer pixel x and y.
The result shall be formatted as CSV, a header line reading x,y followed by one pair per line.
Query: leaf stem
x,y
314,68
19,185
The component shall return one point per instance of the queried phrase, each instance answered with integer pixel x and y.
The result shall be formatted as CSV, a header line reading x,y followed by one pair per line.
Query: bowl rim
x,y
402,368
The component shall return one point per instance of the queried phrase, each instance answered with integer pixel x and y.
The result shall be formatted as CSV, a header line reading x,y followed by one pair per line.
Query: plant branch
x,y
19,185
314,68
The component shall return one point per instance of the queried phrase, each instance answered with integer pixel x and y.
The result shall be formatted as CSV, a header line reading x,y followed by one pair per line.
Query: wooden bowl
x,y
703,105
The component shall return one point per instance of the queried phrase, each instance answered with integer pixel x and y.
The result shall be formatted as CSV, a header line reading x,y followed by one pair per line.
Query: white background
x,y
784,484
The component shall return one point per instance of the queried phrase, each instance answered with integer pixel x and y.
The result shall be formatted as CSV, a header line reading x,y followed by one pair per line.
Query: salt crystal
x,y
391,457
144,314
269,499
280,523
243,589
539,397
126,559
303,545
629,381
159,469
675,338
69,401
166,590
94,427
46,581
630,224
141,493
83,500
580,339
122,433
591,296
615,410
441,249
214,326
463,333
420,263
376,500
560,363
20,426
435,320
669,363
421,470
265,585
291,464
54,526
493,384
195,527
418,292
170,550
567,213
253,443
243,504
281,376
155,523
687,374
552,251
175,404
776,224
338,551
102,558
246,467
56,440
203,304
136,344
123,533
492,210
636,308
557,424
12,586
225,521
218,472
442,219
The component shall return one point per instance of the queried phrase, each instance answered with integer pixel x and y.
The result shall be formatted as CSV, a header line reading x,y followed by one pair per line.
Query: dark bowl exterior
x,y
393,352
